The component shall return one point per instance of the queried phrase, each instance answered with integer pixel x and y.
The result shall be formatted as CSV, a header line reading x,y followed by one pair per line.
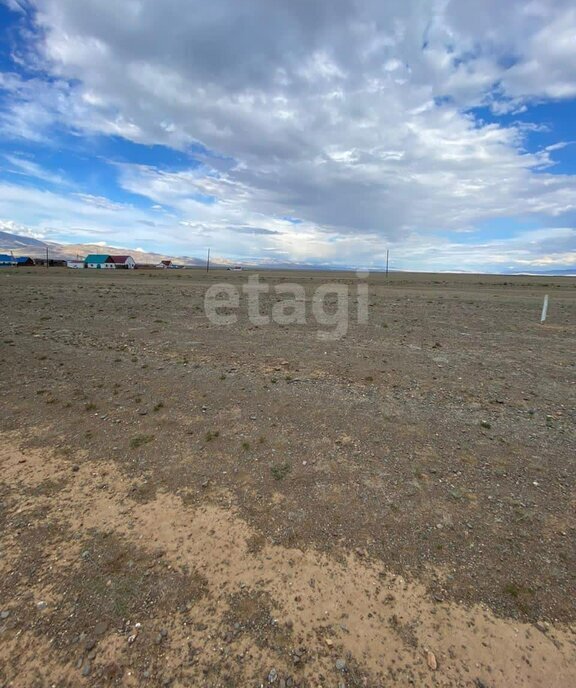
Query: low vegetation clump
x,y
140,440
280,470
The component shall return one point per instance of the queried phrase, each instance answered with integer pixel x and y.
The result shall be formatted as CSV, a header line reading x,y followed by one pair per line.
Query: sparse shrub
x,y
280,470
140,440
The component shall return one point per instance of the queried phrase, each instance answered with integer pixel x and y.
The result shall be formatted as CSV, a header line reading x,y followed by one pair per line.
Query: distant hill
x,y
22,245
36,248
15,242
559,272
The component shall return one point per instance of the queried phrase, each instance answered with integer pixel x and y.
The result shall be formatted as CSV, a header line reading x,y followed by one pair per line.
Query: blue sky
x,y
316,133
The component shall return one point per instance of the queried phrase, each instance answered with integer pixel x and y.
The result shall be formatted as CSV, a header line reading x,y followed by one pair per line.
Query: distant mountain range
x,y
568,272
36,248
15,242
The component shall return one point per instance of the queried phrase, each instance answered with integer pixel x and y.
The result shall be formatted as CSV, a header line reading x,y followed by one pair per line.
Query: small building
x,y
75,264
52,262
99,261
7,260
24,260
124,262
165,264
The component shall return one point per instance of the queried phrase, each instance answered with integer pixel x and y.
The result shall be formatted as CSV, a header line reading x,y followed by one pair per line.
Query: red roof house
x,y
126,262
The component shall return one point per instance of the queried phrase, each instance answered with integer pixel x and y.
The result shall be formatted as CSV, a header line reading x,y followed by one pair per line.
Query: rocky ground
x,y
183,503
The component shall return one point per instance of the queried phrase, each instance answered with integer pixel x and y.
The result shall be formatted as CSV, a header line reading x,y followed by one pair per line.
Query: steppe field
x,y
184,503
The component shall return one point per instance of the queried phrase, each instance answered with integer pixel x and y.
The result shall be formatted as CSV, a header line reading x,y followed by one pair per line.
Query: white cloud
x,y
352,117
56,216
28,168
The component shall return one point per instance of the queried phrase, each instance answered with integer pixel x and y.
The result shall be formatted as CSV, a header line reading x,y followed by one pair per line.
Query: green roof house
x,y
99,261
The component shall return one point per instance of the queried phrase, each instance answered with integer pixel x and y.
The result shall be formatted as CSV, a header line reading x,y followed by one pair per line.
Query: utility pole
x,y
47,263
387,258
208,261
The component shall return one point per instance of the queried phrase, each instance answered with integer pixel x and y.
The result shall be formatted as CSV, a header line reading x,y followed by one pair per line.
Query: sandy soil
x,y
189,504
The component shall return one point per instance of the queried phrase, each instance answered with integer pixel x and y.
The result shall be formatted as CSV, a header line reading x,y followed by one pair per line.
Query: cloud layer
x,y
360,120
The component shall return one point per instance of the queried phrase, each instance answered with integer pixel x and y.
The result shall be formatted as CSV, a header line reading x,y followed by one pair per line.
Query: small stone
x,y
41,605
431,660
485,424
86,668
4,614
89,644
100,628
340,664
272,676
329,642
75,468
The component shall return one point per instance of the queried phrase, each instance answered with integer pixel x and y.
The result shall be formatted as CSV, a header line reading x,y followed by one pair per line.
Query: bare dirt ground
x,y
185,504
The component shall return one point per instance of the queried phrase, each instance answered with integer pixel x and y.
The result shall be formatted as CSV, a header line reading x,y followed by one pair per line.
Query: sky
x,y
320,132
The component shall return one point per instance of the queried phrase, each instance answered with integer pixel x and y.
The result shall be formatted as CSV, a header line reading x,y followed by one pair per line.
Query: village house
x,y
99,261
24,261
7,260
124,262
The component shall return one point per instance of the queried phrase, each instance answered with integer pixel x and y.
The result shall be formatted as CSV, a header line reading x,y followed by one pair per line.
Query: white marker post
x,y
544,309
